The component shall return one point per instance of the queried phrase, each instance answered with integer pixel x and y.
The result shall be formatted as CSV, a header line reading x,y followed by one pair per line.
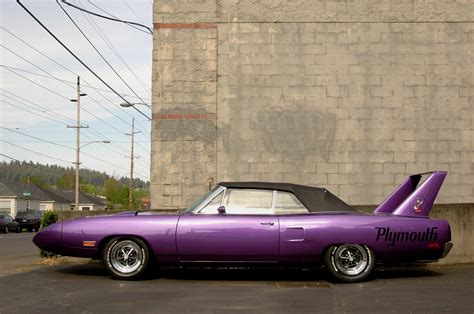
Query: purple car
x,y
264,223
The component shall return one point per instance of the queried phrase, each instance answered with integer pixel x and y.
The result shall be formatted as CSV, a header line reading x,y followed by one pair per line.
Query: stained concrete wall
x,y
352,95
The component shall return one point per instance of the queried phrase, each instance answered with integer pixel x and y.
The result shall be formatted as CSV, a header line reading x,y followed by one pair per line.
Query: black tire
x,y
126,267
5,230
350,262
29,229
18,229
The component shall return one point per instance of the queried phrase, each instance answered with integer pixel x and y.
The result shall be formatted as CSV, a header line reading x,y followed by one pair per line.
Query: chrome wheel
x,y
349,262
126,256
351,259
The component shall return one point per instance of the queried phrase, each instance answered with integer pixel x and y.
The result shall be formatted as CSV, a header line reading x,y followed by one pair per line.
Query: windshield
x,y
25,215
191,208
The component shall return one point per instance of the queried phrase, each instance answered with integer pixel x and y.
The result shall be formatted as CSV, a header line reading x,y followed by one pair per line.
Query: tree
x,y
36,181
116,193
67,181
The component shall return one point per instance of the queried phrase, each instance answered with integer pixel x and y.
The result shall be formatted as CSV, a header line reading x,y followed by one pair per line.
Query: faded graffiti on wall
x,y
295,131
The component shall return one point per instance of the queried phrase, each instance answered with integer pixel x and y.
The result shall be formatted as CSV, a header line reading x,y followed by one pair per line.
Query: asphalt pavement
x,y
31,285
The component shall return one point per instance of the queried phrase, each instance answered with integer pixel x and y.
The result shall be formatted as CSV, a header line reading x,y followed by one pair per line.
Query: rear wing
x,y
412,199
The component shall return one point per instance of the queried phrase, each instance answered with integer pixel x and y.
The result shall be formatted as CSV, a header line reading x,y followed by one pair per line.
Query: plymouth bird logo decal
x,y
418,202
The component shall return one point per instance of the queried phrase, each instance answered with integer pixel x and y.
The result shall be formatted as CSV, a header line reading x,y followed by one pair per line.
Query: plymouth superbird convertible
x,y
250,223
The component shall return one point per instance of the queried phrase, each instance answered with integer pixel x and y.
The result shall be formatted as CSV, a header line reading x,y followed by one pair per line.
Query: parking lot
x,y
28,284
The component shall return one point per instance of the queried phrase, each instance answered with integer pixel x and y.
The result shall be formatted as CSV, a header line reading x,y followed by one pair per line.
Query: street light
x,y
131,104
104,141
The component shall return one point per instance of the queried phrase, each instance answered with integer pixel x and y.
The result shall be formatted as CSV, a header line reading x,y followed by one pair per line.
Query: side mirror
x,y
221,210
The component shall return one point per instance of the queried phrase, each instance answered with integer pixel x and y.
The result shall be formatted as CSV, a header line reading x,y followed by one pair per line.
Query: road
x,y
82,286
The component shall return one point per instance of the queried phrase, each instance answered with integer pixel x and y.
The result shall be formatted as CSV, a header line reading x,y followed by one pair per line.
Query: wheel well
x,y
105,240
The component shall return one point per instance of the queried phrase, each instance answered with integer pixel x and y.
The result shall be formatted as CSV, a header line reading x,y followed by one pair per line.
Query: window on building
x,y
248,202
287,203
5,205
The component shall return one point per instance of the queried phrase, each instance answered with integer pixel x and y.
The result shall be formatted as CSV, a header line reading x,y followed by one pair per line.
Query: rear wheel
x,y
126,258
350,262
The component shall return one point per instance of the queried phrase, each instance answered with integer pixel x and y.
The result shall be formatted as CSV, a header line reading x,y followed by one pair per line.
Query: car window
x,y
287,203
25,215
248,202
211,207
199,201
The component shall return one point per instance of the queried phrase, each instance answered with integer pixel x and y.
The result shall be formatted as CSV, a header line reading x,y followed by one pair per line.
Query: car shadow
x,y
407,271
305,275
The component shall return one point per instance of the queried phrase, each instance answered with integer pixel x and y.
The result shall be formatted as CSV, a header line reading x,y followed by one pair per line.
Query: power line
x,y
36,138
65,81
29,111
107,41
107,18
88,84
37,84
59,64
33,151
50,90
77,58
52,113
133,12
32,166
100,136
109,14
100,54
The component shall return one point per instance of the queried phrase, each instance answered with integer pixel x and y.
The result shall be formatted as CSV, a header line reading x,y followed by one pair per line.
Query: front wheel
x,y
350,262
126,258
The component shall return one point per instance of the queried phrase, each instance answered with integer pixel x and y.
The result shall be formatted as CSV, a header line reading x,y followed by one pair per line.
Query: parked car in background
x,y
30,219
7,224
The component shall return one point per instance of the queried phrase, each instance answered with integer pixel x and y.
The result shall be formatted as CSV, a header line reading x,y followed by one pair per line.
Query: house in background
x,y
86,201
16,197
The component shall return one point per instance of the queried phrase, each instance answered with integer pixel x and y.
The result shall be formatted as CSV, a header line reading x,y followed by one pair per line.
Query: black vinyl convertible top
x,y
314,199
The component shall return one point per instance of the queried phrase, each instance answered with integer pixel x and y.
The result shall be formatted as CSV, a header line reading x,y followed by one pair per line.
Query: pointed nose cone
x,y
50,238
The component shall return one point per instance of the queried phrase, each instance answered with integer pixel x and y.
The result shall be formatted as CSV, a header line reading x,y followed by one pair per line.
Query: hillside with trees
x,y
91,181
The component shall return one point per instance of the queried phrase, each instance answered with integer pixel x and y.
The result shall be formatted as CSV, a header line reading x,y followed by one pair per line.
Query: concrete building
x,y
351,95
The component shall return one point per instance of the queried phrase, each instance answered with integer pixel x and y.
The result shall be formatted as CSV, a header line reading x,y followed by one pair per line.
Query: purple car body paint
x,y
322,229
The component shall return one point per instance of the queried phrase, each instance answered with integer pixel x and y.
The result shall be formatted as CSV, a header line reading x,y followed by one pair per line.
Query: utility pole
x,y
78,128
130,185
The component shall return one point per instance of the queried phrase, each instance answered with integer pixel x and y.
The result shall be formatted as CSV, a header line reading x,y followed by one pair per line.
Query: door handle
x,y
267,223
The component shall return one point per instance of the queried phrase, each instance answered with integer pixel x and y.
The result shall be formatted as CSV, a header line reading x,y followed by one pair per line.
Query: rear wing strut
x,y
409,199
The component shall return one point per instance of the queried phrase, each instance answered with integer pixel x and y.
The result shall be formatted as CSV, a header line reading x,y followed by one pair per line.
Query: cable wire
x,y
98,52
88,84
109,14
78,59
107,18
107,41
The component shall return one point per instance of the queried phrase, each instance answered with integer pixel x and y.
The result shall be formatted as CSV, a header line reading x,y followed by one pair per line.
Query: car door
x,y
248,231
11,223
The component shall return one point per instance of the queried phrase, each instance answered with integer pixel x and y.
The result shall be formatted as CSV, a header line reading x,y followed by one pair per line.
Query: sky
x,y
38,79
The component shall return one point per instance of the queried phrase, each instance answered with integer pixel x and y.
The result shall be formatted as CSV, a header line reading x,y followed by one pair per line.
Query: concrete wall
x,y
352,95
